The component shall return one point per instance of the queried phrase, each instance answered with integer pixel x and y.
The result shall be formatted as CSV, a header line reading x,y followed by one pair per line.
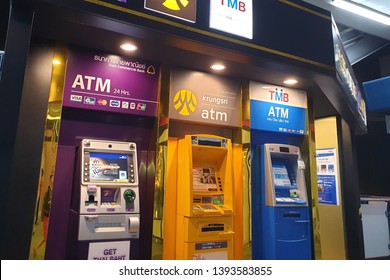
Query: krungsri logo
x,y
185,102
175,4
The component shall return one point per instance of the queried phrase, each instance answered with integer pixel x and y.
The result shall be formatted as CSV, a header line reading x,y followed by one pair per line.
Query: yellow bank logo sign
x,y
204,98
185,102
174,4
182,9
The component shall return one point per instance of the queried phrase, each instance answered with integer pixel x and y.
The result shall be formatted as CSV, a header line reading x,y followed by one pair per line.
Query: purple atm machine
x,y
104,180
106,210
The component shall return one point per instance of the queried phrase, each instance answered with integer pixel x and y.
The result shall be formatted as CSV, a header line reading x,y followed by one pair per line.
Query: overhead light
x,y
218,67
56,62
362,11
290,82
128,47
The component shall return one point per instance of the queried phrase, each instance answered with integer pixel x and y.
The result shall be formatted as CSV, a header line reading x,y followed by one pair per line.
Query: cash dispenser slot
x,y
213,227
291,215
110,227
104,227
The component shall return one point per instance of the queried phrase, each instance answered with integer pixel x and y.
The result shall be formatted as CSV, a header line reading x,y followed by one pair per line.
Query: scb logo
x,y
175,4
185,102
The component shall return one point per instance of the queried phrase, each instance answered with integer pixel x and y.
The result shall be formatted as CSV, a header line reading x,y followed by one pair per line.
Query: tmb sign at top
x,y
182,9
232,16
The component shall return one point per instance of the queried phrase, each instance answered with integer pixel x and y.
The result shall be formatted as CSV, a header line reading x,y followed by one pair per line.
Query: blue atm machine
x,y
281,221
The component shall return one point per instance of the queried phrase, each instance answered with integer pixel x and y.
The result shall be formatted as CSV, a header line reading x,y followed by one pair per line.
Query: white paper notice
x,y
119,250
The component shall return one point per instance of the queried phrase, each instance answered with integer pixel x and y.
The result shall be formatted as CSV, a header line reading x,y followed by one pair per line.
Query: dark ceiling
x,y
361,36
360,47
366,42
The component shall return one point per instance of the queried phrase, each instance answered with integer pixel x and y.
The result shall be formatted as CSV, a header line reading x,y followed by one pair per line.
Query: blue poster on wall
x,y
327,189
277,109
327,176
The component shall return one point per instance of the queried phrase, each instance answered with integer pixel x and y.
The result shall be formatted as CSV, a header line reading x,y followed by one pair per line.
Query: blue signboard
x,y
275,117
277,109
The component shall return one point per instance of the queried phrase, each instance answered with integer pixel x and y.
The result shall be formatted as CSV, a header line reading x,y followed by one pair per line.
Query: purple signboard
x,y
105,82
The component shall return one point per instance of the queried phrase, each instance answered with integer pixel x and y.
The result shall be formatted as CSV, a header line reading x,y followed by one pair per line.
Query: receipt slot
x,y
109,207
204,228
281,227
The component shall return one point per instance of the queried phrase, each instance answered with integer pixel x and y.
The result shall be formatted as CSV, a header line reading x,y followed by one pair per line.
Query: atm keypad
x,y
208,207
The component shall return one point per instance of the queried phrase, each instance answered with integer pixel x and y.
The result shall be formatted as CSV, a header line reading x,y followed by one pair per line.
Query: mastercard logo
x,y
102,102
185,102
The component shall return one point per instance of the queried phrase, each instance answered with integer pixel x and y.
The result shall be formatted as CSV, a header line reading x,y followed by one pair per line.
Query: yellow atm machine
x,y
204,224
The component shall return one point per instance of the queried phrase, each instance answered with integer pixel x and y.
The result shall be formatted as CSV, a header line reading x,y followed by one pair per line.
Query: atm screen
x,y
280,174
204,179
108,167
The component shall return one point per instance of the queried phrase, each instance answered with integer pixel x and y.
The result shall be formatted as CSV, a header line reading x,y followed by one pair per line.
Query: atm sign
x,y
278,109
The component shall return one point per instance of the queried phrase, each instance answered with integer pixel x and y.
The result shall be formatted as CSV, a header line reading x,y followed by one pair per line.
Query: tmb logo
x,y
234,4
279,95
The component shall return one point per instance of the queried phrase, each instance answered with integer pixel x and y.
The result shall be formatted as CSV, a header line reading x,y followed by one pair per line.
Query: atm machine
x,y
105,215
204,226
281,227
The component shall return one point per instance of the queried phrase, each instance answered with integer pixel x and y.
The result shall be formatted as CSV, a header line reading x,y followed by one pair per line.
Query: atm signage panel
x,y
204,98
105,82
277,109
232,16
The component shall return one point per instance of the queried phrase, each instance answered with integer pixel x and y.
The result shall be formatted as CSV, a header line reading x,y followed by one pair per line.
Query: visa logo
x,y
76,98
115,103
89,100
